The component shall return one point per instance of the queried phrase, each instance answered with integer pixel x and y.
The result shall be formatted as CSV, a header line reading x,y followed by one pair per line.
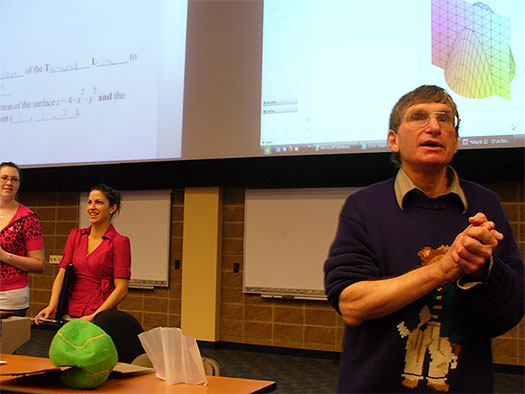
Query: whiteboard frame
x,y
265,219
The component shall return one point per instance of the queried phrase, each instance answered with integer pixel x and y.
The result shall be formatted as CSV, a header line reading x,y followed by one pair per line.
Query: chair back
x,y
123,328
211,366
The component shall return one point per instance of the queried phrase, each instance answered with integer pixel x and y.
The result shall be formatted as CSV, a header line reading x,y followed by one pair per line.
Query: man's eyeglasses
x,y
447,120
5,179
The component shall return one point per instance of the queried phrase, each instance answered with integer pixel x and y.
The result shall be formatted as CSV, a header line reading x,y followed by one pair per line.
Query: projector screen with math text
x,y
92,82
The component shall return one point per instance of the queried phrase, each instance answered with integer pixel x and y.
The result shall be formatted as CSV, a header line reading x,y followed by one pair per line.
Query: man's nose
x,y
433,125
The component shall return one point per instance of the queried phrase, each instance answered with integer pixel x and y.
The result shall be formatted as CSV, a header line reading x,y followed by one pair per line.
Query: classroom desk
x,y
145,382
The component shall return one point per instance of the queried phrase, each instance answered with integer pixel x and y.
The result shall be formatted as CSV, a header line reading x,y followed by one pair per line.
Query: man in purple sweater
x,y
424,268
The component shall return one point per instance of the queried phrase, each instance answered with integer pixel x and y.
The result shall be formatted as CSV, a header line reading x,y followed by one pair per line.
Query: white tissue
x,y
175,357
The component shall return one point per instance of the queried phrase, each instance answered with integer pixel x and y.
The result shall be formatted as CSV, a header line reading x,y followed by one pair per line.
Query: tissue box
x,y
175,357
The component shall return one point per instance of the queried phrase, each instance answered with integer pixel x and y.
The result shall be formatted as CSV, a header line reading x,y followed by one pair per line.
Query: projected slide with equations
x,y
332,70
101,81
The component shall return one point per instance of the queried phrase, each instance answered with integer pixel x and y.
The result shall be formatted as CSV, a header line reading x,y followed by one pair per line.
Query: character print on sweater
x,y
431,332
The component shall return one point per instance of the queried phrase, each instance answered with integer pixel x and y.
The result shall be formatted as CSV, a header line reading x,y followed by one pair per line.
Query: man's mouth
x,y
432,144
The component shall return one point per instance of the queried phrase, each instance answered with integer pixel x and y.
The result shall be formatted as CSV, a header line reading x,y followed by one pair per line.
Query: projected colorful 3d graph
x,y
472,44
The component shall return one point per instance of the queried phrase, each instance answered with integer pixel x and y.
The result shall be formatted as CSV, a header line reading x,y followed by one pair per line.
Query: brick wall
x,y
509,348
58,215
246,319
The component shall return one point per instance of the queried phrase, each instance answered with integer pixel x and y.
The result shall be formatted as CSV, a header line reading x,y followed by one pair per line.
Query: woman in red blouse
x,y
21,243
101,258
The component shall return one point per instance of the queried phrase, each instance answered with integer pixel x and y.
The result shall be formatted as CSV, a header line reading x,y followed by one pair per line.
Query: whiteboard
x,y
287,233
144,217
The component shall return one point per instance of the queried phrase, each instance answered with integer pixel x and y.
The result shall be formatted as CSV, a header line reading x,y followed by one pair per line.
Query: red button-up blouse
x,y
94,274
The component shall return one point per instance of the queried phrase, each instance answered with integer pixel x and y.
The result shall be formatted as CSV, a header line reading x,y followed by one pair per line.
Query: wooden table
x,y
143,382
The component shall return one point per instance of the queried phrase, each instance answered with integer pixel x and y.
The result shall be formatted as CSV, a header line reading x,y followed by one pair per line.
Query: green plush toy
x,y
87,348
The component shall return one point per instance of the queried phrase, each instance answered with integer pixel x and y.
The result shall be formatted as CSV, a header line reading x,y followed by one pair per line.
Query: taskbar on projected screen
x,y
484,142
336,147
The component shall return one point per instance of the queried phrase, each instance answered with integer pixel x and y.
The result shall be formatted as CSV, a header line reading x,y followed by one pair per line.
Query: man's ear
x,y
392,141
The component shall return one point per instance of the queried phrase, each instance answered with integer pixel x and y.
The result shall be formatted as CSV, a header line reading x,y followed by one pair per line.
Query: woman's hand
x,y
88,317
47,313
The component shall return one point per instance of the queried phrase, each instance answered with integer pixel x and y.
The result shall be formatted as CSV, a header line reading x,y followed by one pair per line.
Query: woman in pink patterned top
x,y
101,258
21,243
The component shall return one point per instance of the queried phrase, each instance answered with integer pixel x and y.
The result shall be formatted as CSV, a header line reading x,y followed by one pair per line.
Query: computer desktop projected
x,y
333,69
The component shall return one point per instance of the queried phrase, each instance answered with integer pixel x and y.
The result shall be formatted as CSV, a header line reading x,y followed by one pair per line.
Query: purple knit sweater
x,y
441,342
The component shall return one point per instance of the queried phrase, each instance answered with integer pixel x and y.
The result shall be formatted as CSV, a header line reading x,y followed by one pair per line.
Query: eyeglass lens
x,y
5,179
421,118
